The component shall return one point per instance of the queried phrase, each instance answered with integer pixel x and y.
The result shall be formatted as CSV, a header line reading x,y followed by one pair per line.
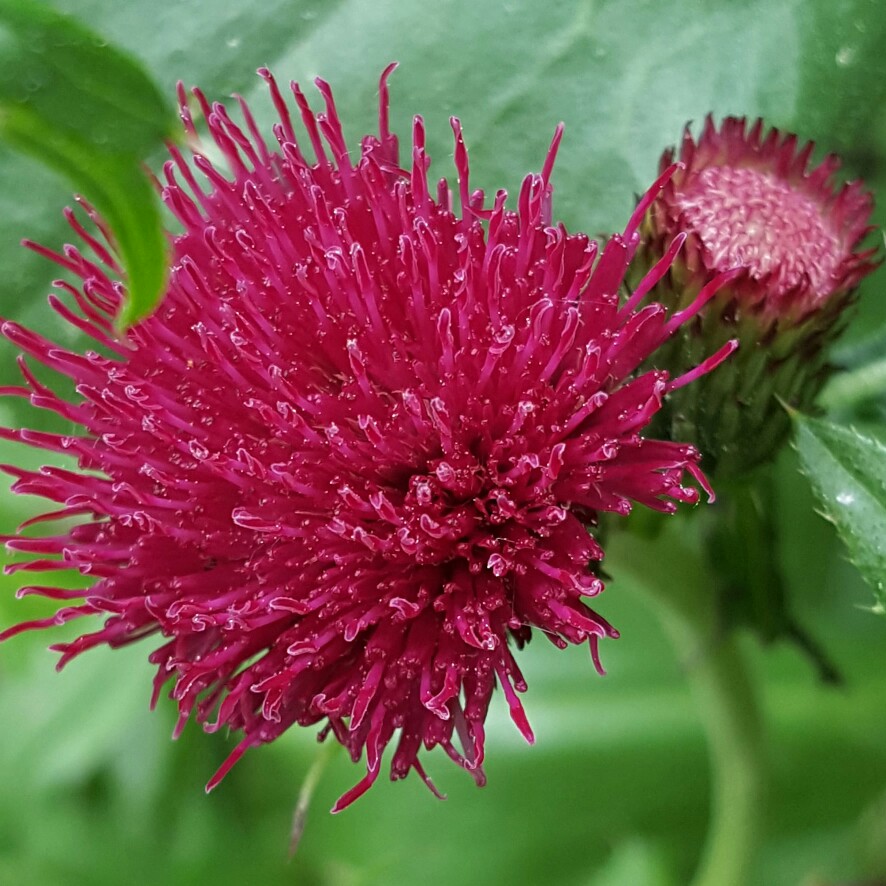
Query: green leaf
x,y
90,112
71,77
848,474
120,190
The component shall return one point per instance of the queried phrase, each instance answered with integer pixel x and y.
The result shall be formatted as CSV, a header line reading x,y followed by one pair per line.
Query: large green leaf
x,y
848,473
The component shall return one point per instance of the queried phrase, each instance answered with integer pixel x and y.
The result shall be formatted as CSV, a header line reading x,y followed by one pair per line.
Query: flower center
x,y
746,217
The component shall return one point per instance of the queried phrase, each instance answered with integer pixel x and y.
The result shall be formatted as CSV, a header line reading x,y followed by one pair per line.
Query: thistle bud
x,y
742,198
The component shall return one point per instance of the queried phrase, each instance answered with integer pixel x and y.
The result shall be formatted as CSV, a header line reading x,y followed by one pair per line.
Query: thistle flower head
x,y
353,459
748,200
745,199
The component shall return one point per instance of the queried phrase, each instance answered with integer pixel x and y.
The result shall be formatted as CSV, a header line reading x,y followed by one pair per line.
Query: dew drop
x,y
845,56
198,450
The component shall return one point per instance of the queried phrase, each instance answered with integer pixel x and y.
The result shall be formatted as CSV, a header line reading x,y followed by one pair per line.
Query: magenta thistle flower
x,y
351,461
745,199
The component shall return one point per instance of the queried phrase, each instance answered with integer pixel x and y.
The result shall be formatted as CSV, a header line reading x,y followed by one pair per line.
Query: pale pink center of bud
x,y
753,219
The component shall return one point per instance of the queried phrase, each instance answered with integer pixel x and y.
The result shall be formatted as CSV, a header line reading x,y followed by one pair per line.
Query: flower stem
x,y
727,701
325,753
669,572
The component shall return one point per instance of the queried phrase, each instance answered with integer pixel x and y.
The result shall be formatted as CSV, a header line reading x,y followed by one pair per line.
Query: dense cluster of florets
x,y
353,459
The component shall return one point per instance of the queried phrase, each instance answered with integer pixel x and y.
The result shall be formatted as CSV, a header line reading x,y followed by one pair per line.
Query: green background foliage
x,y
615,790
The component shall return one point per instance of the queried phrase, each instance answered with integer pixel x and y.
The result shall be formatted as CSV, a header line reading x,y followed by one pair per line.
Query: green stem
x,y
325,753
676,582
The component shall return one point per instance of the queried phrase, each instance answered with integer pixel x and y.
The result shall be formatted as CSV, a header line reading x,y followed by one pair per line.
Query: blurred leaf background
x,y
616,789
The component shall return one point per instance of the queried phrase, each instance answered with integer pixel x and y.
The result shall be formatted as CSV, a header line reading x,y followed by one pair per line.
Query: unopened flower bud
x,y
747,199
